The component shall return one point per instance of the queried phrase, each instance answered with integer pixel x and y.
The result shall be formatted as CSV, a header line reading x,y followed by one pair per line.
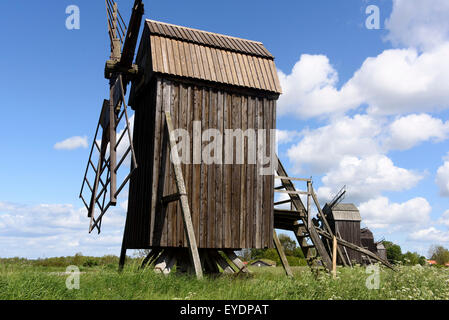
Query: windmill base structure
x,y
197,96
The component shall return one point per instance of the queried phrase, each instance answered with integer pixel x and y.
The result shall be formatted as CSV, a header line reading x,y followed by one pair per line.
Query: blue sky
x,y
365,108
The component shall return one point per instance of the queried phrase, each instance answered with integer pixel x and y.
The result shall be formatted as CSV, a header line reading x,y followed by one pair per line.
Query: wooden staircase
x,y
311,233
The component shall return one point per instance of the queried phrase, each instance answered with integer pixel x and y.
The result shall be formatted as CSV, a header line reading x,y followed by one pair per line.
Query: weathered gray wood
x,y
281,253
156,157
236,261
334,256
184,200
356,248
321,250
112,149
326,224
214,254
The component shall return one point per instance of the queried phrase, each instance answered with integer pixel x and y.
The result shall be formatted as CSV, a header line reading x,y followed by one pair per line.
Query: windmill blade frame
x,y
114,112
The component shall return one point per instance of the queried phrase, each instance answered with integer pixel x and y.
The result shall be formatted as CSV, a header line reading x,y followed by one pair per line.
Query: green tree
x,y
288,244
394,252
413,258
439,254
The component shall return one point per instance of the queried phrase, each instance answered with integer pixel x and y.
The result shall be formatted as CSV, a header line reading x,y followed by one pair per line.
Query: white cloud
x,y
367,177
418,23
444,219
286,136
380,213
403,133
401,81
56,229
323,148
442,178
72,143
310,89
397,81
430,234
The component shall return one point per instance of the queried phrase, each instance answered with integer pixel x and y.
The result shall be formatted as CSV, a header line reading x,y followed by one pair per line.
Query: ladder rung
x,y
292,179
282,202
292,192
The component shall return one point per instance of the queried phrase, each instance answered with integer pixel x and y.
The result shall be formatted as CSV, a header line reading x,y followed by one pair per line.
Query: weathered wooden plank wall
x,y
231,204
349,231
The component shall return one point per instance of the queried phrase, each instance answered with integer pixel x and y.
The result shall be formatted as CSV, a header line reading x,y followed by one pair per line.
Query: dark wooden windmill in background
x,y
195,214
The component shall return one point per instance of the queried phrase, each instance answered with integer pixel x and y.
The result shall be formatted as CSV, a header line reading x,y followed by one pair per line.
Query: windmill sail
x,y
99,189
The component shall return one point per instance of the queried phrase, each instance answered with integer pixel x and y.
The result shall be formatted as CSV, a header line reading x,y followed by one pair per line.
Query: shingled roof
x,y
197,54
345,212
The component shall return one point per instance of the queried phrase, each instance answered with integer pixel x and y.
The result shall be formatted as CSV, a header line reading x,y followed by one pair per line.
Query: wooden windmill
x,y
192,213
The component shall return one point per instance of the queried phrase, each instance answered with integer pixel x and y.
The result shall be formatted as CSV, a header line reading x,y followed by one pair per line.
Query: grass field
x,y
22,280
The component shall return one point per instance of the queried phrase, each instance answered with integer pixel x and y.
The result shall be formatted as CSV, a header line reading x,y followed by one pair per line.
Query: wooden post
x,y
309,204
334,257
281,253
188,225
121,263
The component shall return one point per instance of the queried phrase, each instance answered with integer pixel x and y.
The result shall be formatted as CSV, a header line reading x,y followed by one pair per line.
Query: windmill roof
x,y
345,212
192,53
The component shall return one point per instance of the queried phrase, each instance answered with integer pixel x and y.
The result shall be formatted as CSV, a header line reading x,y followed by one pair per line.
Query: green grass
x,y
23,280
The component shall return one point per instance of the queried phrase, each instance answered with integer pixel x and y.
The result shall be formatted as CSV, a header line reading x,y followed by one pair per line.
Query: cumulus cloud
x,y
72,143
56,229
444,219
411,78
403,134
397,81
400,81
442,178
323,148
286,136
310,89
380,213
430,234
418,23
367,177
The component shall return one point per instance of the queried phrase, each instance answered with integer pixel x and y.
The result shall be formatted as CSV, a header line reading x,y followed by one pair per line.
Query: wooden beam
x,y
188,225
236,260
296,200
356,248
281,253
291,179
326,224
334,257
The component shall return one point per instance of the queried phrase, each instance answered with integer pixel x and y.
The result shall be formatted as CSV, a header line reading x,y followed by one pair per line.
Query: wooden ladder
x,y
311,233
300,220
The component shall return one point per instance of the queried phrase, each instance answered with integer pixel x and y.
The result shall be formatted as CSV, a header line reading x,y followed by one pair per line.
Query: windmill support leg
x,y
281,253
122,260
186,216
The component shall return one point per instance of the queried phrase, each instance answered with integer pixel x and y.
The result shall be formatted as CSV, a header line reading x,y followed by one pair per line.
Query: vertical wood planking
x,y
249,177
259,183
211,174
189,127
219,177
236,172
267,177
227,177
204,172
274,126
196,174
243,173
